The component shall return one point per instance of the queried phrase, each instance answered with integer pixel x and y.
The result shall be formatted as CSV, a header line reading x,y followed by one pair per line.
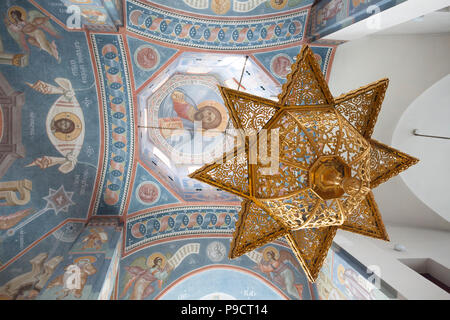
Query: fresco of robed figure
x,y
30,28
183,113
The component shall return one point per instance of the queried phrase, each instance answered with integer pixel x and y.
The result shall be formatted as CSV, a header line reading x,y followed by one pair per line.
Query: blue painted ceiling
x,y
79,104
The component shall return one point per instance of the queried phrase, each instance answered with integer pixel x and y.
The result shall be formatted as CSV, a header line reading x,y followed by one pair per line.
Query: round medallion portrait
x,y
147,57
66,126
148,193
280,65
216,251
319,59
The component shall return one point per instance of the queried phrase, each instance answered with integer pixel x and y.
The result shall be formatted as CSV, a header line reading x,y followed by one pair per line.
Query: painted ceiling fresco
x,y
231,8
329,16
89,182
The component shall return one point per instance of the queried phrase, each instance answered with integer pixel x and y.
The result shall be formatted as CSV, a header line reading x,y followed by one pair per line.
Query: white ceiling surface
x,y
431,23
413,63
395,17
429,113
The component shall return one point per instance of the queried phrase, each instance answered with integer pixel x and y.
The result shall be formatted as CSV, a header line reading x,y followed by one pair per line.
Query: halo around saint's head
x,y
17,8
152,258
270,249
223,113
89,259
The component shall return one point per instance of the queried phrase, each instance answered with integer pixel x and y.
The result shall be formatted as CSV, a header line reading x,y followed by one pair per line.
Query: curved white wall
x,y
413,63
429,179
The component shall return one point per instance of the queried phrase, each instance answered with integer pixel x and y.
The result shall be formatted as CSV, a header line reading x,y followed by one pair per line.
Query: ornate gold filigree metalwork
x,y
311,247
327,164
387,162
254,229
361,107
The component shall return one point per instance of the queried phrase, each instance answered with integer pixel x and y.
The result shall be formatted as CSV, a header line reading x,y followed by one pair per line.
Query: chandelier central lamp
x,y
327,164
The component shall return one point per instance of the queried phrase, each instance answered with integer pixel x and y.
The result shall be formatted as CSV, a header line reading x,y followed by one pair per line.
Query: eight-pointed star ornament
x,y
326,165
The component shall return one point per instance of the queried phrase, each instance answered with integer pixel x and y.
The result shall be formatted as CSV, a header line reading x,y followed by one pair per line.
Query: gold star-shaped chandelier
x,y
327,165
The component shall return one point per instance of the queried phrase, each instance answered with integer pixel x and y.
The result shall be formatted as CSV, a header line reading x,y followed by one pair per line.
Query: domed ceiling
x,y
96,143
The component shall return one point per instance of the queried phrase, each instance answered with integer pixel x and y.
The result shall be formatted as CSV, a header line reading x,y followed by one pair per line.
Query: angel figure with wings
x,y
29,28
275,265
143,273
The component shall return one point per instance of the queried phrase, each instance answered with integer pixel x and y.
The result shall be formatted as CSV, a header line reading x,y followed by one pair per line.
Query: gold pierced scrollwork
x,y
326,165
387,162
361,107
231,175
254,229
366,219
311,247
248,111
305,84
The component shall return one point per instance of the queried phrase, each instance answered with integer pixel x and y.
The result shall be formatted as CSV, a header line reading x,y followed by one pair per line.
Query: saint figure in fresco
x,y
145,272
142,279
275,266
95,239
74,278
352,282
29,28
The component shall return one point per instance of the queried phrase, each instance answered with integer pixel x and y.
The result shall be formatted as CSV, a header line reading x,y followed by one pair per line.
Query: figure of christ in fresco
x,y
65,127
275,267
184,114
29,29
192,128
142,279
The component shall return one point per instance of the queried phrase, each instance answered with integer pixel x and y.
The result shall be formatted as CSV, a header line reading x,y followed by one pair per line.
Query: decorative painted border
x,y
235,15
182,220
165,26
118,113
326,63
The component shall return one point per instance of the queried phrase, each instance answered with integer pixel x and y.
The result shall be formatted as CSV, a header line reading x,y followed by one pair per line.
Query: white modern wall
x,y
418,243
413,63
430,115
